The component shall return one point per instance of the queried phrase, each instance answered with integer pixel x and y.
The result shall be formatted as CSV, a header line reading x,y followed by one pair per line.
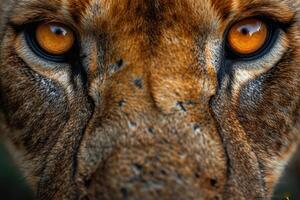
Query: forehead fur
x,y
91,12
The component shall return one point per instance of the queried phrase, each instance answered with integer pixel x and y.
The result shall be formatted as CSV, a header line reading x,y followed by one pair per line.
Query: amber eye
x,y
248,36
54,38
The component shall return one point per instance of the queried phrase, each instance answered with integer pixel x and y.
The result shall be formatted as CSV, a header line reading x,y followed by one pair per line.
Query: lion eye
x,y
54,38
248,36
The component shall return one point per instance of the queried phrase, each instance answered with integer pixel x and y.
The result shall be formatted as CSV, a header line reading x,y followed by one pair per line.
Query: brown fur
x,y
160,115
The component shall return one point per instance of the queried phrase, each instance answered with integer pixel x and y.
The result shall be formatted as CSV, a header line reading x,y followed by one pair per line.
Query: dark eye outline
x,y
273,33
30,37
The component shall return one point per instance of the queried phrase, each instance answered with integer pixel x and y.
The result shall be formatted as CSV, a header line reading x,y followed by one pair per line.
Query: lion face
x,y
150,99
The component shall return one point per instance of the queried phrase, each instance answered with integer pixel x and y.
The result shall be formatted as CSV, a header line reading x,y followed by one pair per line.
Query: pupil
x,y
245,31
58,31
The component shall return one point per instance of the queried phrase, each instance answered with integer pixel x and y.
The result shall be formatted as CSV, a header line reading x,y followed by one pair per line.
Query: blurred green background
x,y
13,187
12,184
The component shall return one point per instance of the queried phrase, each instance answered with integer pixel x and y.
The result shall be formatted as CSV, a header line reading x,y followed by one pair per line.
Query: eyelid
x,y
19,27
282,23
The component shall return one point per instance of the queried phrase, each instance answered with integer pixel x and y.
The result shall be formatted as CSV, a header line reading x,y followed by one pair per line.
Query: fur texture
x,y
150,108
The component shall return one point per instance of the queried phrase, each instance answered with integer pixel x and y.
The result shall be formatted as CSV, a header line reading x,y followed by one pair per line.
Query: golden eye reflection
x,y
55,38
248,36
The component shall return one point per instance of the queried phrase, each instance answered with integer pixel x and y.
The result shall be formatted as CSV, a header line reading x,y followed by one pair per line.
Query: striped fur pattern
x,y
150,109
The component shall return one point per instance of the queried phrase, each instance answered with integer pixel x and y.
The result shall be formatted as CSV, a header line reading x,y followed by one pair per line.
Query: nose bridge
x,y
167,80
176,69
166,61
156,120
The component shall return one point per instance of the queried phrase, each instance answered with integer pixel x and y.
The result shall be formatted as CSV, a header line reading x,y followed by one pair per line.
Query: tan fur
x,y
159,116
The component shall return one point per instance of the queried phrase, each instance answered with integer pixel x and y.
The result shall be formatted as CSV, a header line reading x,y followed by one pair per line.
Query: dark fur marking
x,y
196,127
138,83
181,105
121,103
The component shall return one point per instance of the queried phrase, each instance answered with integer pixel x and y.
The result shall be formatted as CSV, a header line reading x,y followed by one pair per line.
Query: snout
x,y
152,137
155,171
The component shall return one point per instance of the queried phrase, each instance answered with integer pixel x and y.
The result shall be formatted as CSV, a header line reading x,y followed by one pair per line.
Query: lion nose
x,y
160,171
